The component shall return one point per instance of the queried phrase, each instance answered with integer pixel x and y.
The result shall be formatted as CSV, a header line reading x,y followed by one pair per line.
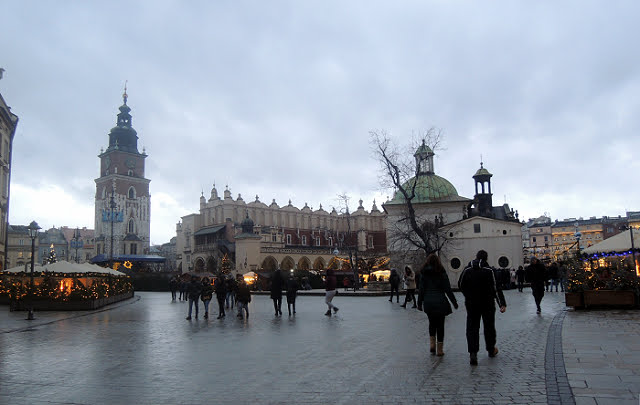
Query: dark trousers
x,y
436,326
520,285
538,293
410,296
475,312
291,301
277,305
220,305
397,290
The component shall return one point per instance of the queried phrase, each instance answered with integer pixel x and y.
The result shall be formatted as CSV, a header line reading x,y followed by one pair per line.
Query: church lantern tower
x,y
483,199
122,200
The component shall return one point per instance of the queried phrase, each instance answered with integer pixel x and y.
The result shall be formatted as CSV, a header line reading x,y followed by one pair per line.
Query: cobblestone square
x,y
143,351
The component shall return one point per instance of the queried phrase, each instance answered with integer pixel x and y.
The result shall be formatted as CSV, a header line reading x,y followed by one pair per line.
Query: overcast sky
x,y
278,98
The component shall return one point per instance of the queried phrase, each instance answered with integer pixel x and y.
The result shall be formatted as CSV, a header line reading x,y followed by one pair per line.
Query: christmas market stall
x,y
606,274
63,286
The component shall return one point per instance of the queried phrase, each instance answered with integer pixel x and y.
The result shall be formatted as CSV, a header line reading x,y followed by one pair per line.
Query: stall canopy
x,y
66,267
617,243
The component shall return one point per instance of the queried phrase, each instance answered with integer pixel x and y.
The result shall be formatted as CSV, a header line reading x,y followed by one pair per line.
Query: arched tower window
x,y
132,193
104,193
131,226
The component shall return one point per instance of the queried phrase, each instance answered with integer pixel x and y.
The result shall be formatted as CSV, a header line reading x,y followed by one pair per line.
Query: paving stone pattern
x,y
374,352
602,356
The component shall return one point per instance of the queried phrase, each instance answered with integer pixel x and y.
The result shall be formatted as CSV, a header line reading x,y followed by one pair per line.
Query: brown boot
x,y
439,349
432,344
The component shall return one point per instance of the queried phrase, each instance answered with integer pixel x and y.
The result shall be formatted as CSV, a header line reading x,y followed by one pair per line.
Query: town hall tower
x,y
122,201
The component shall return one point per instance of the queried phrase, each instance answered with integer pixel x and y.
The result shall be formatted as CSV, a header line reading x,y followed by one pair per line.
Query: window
x,y
274,237
455,263
317,241
503,262
304,239
132,193
476,228
504,231
288,239
130,172
330,240
134,249
370,242
21,242
546,239
131,226
534,238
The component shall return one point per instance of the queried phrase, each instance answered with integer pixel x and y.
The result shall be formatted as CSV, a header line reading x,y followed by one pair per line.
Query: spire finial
x,y
481,166
124,95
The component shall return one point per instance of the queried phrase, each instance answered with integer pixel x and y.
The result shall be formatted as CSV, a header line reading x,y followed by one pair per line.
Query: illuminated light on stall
x,y
128,264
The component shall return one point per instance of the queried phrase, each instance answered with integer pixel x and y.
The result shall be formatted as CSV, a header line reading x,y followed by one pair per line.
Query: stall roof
x,y
67,267
132,258
617,243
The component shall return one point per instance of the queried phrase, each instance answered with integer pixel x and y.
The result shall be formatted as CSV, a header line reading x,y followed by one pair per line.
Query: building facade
x,y
19,246
8,124
255,236
460,225
122,200
80,244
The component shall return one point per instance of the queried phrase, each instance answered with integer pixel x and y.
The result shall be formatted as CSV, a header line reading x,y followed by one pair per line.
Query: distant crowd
x,y
480,284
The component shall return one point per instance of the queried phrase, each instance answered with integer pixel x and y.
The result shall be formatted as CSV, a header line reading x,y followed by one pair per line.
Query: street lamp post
x,y
633,248
76,242
578,235
112,207
33,233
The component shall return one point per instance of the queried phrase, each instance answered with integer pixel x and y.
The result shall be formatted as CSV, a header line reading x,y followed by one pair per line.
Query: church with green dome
x,y
460,226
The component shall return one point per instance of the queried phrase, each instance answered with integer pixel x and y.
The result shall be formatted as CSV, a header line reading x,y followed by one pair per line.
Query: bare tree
x,y
411,232
350,242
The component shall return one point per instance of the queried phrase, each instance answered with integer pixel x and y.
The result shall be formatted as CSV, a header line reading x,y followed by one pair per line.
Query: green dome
x,y
430,188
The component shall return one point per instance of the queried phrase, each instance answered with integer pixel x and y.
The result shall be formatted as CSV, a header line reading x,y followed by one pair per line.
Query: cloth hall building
x,y
255,236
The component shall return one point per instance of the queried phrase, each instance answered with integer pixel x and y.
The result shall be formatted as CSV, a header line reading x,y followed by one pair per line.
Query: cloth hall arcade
x,y
256,236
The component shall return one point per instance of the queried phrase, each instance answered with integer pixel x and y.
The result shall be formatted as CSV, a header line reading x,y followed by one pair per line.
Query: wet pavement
x,y
143,351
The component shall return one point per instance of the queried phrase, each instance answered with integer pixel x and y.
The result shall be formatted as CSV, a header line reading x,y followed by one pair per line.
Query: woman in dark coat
x,y
292,292
435,288
277,283
537,276
220,288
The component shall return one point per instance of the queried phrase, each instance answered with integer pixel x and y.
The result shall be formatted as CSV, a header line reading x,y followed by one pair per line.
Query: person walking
x,y
231,286
478,285
562,276
553,275
182,288
292,288
277,284
410,283
330,291
173,287
537,276
394,284
243,298
206,294
193,291
220,288
435,288
520,278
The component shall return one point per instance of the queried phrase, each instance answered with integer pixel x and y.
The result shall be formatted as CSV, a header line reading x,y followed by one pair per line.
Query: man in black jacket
x,y
478,284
